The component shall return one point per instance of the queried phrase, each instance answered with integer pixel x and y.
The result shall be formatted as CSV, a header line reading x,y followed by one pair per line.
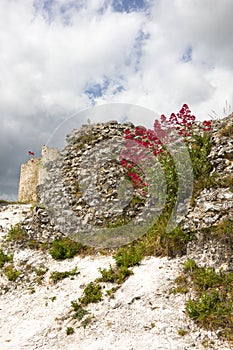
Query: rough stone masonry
x,y
56,185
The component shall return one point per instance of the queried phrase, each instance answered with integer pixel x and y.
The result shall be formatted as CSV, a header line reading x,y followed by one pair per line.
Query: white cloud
x,y
52,51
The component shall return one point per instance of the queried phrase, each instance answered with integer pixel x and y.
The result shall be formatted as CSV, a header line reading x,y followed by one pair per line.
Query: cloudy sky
x,y
58,57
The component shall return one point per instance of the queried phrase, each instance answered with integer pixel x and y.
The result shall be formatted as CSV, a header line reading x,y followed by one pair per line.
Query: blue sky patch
x,y
95,90
128,5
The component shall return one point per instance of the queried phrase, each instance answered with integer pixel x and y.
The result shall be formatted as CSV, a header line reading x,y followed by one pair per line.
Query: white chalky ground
x,y
142,315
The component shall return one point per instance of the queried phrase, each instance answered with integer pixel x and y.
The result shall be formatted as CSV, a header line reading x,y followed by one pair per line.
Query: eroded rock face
x,y
89,155
221,155
211,207
214,205
87,186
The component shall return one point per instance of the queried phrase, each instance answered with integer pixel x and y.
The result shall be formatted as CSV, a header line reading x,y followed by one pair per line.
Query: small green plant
x,y
213,302
64,249
117,275
129,256
11,273
111,291
36,245
41,271
69,330
119,221
182,285
199,151
86,321
79,311
190,266
182,332
223,230
159,242
179,290
223,181
92,294
16,233
58,276
4,258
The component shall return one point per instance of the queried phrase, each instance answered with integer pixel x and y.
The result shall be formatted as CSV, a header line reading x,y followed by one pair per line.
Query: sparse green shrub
x,y
206,278
176,241
16,233
69,330
112,290
92,294
159,242
179,290
11,273
4,258
129,256
86,321
203,307
80,312
225,182
182,332
34,244
117,275
223,230
213,303
64,249
190,266
58,276
41,271
199,151
119,221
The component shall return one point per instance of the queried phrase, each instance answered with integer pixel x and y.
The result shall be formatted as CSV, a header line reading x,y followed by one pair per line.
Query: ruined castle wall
x,y
47,155
33,173
29,177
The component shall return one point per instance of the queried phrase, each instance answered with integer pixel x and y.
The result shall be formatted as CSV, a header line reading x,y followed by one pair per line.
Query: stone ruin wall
x,y
212,206
33,173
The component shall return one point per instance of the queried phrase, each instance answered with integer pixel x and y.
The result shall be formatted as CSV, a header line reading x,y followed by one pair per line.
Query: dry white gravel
x,y
142,314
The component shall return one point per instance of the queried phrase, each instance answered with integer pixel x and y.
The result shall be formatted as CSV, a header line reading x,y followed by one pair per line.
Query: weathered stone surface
x,y
82,186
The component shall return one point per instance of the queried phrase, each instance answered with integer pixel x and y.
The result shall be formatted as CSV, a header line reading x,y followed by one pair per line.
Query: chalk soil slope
x,y
141,315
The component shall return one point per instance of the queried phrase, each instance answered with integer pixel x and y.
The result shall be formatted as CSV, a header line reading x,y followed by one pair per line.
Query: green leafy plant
x,y
159,242
129,256
112,290
86,321
11,273
223,230
58,276
199,151
117,275
16,233
92,294
69,330
213,302
4,258
64,249
41,271
79,311
190,265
